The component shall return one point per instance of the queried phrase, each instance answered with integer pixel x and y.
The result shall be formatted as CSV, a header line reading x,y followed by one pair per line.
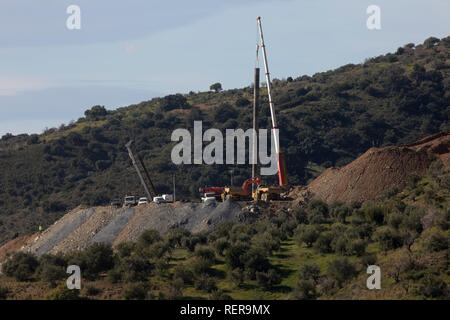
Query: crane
x,y
282,175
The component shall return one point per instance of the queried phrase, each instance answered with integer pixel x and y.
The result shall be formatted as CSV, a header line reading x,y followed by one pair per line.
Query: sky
x,y
130,51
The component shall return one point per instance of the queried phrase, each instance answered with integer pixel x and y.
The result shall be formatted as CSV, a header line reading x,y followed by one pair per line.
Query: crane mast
x,y
282,176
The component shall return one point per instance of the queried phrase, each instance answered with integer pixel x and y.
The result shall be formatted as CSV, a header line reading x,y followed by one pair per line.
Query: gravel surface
x,y
110,232
59,231
80,238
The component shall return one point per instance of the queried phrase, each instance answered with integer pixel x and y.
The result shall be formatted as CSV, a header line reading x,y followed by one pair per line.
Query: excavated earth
x,y
82,227
376,171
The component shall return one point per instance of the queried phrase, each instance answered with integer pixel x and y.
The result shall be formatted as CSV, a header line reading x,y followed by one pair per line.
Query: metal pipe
x,y
255,126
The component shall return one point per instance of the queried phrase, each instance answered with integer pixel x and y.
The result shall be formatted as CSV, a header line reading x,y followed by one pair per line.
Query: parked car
x,y
209,198
168,197
159,200
143,200
116,202
130,201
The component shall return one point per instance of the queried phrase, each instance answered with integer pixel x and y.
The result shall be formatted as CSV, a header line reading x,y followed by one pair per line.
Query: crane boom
x,y
282,176
133,160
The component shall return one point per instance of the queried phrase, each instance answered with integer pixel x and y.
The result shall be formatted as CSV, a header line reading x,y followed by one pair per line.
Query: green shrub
x,y
220,245
21,266
52,268
369,259
323,243
307,234
205,253
374,214
200,266
356,247
268,279
135,268
4,292
114,276
233,256
341,270
92,291
205,283
438,242
255,261
148,238
219,295
388,238
309,271
305,290
183,273
135,291
432,286
61,292
125,248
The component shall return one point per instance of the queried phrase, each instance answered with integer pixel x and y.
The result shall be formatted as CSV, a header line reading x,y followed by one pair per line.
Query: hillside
x,y
326,120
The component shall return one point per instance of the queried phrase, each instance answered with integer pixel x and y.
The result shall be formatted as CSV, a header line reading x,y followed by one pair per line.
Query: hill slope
x,y
327,120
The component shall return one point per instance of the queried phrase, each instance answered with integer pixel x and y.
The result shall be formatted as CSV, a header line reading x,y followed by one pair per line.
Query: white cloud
x,y
13,85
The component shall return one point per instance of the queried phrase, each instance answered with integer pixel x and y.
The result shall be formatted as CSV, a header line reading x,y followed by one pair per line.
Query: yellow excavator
x,y
242,193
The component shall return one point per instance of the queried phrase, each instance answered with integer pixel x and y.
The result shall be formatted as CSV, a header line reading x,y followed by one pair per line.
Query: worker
x,y
40,228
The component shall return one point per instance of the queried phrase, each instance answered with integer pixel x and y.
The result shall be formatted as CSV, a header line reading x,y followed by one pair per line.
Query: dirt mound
x,y
82,227
14,245
378,170
194,217
57,232
81,236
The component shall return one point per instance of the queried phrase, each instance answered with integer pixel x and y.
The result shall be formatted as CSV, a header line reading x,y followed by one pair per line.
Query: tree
x,y
95,113
216,87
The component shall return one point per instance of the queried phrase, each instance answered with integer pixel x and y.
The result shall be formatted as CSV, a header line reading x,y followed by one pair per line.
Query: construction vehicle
x,y
215,191
270,192
242,193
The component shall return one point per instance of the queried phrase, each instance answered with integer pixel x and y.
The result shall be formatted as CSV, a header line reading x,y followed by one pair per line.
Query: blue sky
x,y
130,51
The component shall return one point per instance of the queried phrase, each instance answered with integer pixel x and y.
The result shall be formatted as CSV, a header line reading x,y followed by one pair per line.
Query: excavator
x,y
242,193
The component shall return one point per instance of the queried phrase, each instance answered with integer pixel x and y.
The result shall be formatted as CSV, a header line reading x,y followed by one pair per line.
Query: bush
x,y
219,295
61,292
307,234
4,292
388,238
369,259
114,276
220,245
323,243
148,238
125,248
98,257
233,256
356,247
268,279
52,268
181,272
309,271
341,270
92,291
135,268
432,286
21,266
317,212
374,214
135,291
205,283
438,242
200,265
305,290
206,254
255,261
